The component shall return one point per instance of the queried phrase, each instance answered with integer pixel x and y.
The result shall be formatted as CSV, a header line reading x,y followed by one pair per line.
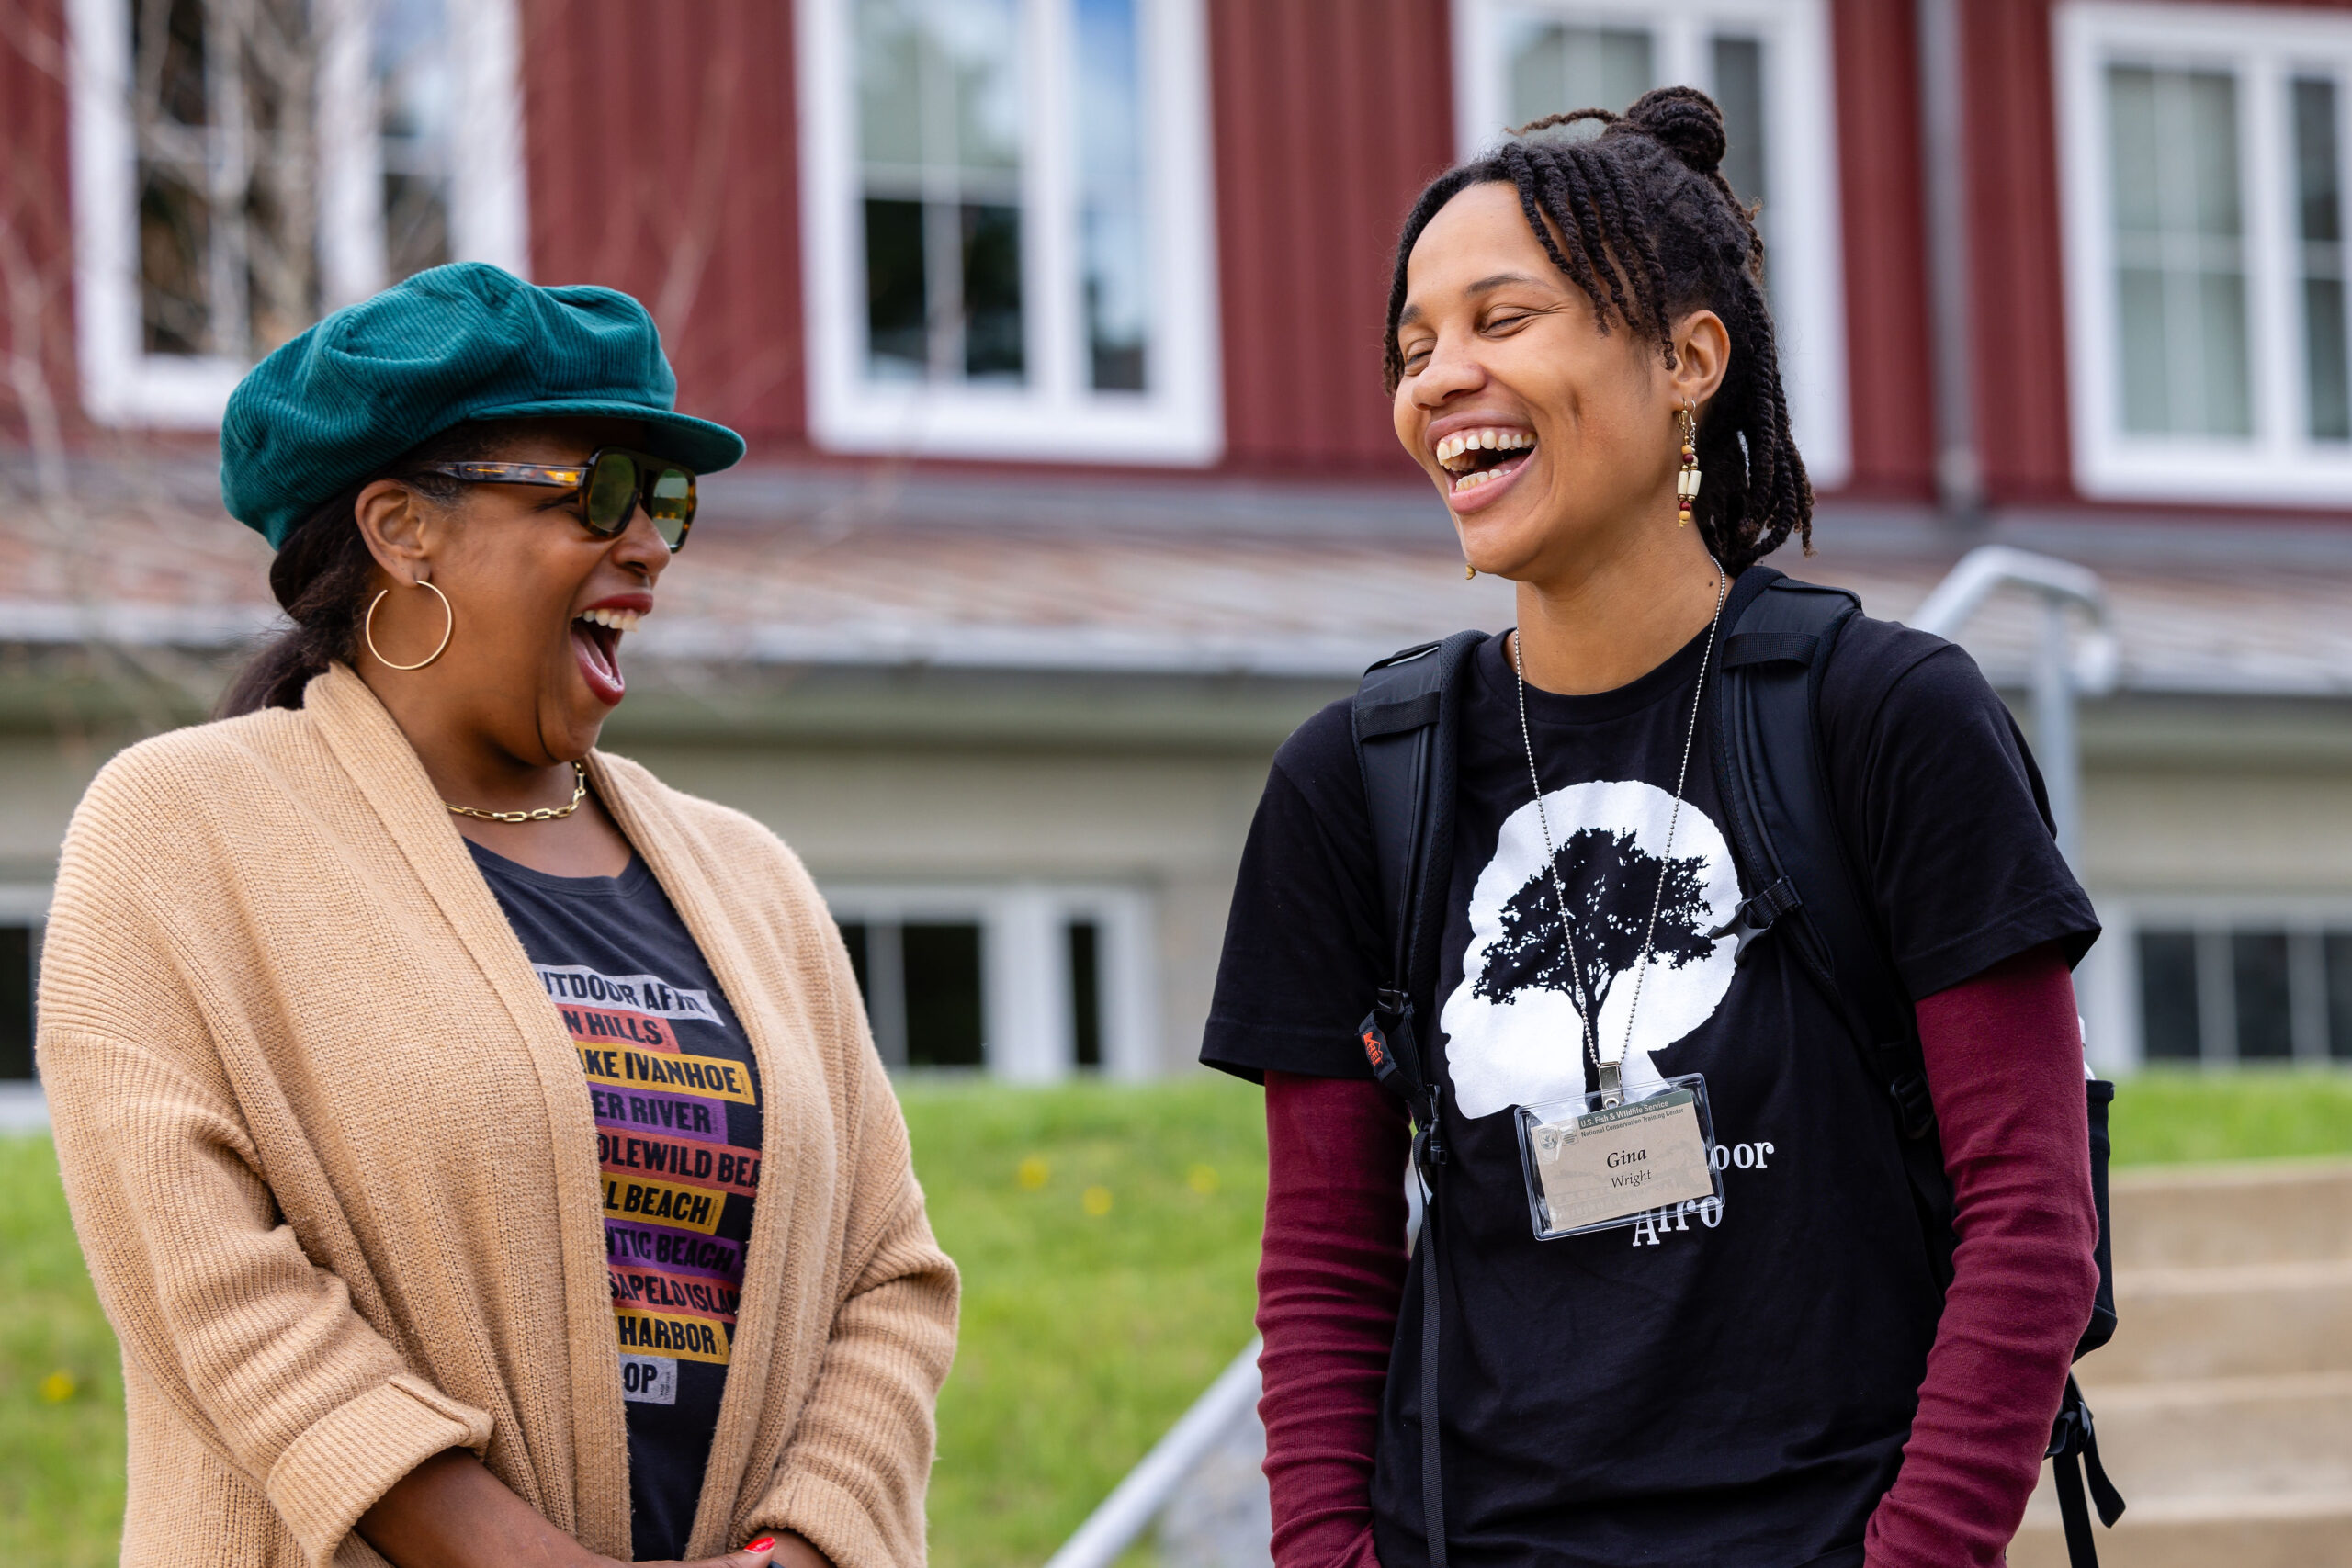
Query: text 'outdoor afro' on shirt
x,y
1725,1383
677,1106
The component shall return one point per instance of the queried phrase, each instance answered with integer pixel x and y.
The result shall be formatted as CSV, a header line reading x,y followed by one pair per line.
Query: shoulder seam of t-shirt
x,y
1878,709
1283,754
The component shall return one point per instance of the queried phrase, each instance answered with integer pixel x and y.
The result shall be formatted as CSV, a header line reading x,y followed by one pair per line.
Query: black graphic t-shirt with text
x,y
1721,1383
676,1096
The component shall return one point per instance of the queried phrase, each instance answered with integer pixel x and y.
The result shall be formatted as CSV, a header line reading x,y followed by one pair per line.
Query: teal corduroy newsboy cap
x,y
467,340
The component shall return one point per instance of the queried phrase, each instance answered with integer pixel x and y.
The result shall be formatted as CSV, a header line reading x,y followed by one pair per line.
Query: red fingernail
x,y
760,1545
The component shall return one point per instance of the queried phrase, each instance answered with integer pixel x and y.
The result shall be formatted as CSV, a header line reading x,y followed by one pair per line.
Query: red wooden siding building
x,y
1054,324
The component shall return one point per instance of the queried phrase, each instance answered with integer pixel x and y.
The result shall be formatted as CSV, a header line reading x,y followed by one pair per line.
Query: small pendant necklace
x,y
1606,1072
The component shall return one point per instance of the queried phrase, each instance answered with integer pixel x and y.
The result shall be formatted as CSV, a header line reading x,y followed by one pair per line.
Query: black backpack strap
x,y
2074,1456
1794,870
1405,720
1796,874
1406,716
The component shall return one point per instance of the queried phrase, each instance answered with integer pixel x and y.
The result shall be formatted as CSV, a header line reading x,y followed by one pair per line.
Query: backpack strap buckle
x,y
1914,1107
1396,1066
1755,916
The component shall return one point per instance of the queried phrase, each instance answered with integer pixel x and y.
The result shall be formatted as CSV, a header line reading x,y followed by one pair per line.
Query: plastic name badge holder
x,y
1593,1165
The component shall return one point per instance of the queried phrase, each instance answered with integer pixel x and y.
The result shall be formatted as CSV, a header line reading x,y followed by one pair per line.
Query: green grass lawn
x,y
61,1380
1107,1237
2171,1118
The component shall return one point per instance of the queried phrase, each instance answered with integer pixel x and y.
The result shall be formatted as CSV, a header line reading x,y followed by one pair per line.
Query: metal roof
x,y
1113,574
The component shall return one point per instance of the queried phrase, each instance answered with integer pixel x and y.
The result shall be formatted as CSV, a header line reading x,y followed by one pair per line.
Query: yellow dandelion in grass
x,y
57,1387
1202,1179
1032,1173
1096,1201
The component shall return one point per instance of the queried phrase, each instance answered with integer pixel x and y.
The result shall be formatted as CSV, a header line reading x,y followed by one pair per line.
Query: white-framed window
x,y
2212,981
241,166
23,911
1766,63
1009,237
2205,155
1028,981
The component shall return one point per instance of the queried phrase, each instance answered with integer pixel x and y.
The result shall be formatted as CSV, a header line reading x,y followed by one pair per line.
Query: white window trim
x,y
2280,465
1179,421
123,384
1808,256
2109,978
1027,1033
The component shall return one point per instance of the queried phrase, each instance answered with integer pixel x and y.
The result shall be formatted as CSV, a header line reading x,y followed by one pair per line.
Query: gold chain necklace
x,y
544,814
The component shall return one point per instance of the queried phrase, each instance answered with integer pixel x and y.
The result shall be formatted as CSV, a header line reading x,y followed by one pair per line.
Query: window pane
x,y
979,45
2319,212
853,937
17,947
941,129
897,330
889,92
1086,991
1553,69
171,107
2210,117
2168,1028
223,112
2329,387
2131,128
943,982
174,257
2139,299
2228,400
1739,90
2179,240
168,60
2339,949
415,102
2258,976
1111,191
992,345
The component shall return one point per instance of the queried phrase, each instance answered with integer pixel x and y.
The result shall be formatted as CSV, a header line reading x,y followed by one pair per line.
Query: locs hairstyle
x,y
1643,220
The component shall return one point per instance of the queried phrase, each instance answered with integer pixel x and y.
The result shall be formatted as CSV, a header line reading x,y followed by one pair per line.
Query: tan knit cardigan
x,y
331,1158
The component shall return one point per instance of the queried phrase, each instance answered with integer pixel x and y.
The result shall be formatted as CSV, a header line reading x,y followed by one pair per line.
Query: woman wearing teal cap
x,y
477,1145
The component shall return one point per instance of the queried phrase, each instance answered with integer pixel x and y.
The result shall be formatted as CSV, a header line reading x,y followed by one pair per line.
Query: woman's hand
x,y
767,1551
450,1512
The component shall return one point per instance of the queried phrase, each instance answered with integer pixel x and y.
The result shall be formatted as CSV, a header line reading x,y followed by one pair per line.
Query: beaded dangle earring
x,y
1686,483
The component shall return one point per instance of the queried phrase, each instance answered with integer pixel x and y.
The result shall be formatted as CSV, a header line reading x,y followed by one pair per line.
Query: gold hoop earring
x,y
449,619
1468,571
1686,483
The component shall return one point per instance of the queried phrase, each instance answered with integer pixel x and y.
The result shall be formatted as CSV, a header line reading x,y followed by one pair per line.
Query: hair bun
x,y
1684,121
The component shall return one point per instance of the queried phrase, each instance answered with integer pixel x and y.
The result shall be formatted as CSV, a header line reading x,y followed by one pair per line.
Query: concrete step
x,y
2283,1531
2224,1406
2221,1438
2212,1216
2247,1321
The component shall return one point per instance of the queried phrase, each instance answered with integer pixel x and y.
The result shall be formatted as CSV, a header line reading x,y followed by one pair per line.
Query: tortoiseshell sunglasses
x,y
611,484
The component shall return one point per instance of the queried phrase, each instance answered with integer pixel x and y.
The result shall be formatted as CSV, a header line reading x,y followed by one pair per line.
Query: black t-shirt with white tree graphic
x,y
1719,1385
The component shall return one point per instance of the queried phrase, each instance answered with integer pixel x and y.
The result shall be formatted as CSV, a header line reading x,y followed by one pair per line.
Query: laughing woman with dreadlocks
x,y
1676,1300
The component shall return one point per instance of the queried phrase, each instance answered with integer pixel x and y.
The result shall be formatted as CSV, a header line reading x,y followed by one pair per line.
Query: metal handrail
x,y
2060,675
1133,1504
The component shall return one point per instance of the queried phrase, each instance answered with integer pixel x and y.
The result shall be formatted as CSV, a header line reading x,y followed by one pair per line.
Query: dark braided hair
x,y
322,574
1640,218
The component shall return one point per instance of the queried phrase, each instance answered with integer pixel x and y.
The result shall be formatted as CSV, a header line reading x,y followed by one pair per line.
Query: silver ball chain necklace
x,y
1608,1071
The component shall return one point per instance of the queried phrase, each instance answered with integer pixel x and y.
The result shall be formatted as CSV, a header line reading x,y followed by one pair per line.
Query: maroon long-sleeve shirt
x,y
2004,1068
